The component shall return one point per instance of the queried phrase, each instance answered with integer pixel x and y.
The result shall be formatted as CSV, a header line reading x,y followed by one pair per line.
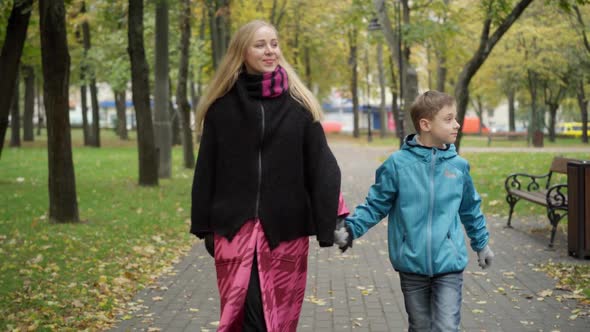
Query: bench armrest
x,y
557,196
523,181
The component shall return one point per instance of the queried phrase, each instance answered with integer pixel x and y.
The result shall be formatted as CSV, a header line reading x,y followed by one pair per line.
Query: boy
x,y
427,191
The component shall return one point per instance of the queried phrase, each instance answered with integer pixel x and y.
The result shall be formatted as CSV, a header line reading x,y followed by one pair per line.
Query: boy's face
x,y
443,128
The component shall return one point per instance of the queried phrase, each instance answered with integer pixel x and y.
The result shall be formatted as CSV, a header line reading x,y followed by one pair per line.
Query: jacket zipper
x,y
430,214
259,162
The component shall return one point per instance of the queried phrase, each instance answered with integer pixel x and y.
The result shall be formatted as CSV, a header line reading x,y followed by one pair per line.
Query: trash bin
x,y
578,192
538,138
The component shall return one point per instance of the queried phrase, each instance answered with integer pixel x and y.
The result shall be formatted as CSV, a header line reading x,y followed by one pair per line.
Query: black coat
x,y
265,159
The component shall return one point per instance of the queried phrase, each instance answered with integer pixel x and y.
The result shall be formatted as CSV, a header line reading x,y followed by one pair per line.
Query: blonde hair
x,y
427,105
231,65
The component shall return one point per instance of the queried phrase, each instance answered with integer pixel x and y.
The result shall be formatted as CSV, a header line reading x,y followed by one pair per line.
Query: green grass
x,y
71,277
77,276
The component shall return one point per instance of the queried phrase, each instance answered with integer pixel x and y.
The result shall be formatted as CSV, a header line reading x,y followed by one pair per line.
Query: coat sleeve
x,y
378,204
471,216
203,182
322,182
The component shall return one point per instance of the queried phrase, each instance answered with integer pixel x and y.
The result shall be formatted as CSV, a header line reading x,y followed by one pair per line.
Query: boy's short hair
x,y
427,105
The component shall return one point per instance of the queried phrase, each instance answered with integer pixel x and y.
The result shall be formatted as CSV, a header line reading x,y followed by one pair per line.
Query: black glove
x,y
342,235
210,244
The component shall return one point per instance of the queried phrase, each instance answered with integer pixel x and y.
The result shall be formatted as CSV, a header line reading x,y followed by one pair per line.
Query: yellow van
x,y
571,129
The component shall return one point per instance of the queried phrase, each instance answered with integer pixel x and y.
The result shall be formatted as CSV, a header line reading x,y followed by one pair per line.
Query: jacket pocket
x,y
402,247
452,243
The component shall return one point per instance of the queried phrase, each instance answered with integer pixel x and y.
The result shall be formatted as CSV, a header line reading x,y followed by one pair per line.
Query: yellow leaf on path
x,y
216,323
477,311
193,310
157,298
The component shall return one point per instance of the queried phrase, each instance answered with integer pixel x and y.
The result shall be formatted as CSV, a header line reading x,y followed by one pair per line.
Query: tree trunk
x,y
276,15
486,45
307,61
511,110
352,38
382,110
63,204
535,126
552,99
95,111
174,116
196,94
181,93
40,108
15,115
410,76
84,108
18,23
219,27
441,72
94,136
583,103
394,104
552,116
121,106
162,128
28,127
148,160
478,107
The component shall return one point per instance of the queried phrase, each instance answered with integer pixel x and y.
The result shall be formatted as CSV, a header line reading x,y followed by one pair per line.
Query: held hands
x,y
342,235
485,257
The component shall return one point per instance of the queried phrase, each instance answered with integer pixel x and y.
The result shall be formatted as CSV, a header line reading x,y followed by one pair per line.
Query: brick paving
x,y
360,290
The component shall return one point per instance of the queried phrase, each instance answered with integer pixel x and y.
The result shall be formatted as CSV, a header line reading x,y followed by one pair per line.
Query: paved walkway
x,y
360,291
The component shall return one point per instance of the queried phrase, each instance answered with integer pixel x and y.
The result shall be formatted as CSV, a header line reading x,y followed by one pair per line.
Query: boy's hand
x,y
342,235
485,257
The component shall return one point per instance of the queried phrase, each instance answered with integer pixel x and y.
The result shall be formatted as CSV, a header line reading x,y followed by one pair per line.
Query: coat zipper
x,y
430,214
259,162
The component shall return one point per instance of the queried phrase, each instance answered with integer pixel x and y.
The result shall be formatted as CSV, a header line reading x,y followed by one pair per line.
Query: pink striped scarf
x,y
267,85
274,83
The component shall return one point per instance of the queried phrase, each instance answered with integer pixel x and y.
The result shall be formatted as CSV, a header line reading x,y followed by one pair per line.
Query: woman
x,y
265,181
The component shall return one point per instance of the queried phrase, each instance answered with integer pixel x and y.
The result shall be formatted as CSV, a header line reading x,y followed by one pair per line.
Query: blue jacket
x,y
427,193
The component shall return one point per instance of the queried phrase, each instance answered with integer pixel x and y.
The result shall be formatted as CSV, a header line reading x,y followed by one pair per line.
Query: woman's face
x,y
262,55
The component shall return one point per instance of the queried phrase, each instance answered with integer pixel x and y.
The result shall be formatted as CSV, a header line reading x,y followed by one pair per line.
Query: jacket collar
x,y
424,152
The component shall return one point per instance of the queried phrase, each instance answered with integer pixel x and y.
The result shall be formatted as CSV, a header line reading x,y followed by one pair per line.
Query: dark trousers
x,y
253,310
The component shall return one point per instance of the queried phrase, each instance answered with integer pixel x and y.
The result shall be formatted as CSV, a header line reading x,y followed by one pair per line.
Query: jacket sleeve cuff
x,y
325,244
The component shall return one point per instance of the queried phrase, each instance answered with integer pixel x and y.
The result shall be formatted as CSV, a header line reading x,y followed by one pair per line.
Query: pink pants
x,y
282,273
